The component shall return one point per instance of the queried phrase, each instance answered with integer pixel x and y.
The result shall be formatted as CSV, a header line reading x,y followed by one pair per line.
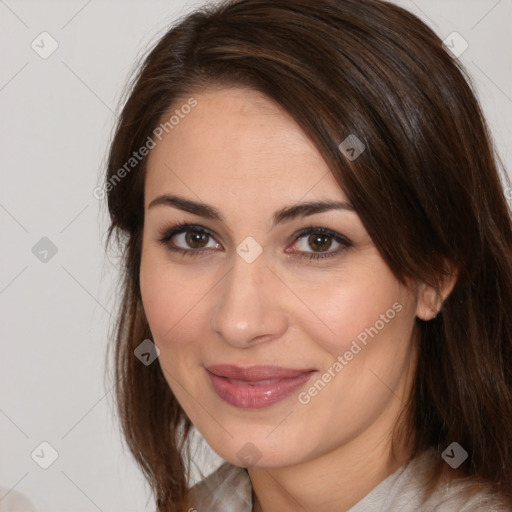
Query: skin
x,y
242,154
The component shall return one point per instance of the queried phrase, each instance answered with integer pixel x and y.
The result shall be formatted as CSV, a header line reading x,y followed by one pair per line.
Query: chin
x,y
253,449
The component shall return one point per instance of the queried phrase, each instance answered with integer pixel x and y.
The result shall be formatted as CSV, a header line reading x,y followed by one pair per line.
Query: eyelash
x,y
183,227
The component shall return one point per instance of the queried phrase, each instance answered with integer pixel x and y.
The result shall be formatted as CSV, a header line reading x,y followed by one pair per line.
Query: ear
x,y
430,299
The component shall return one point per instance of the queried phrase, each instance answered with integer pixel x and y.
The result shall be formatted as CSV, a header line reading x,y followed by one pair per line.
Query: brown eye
x,y
320,241
189,239
314,243
196,239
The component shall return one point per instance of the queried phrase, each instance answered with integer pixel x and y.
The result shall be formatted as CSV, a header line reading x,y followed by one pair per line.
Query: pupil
x,y
321,241
195,238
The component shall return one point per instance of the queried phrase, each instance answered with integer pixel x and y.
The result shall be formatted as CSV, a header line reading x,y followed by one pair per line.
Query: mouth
x,y
255,387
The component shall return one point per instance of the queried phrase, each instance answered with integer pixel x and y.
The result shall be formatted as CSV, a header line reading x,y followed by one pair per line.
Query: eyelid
x,y
343,241
179,228
326,231
183,227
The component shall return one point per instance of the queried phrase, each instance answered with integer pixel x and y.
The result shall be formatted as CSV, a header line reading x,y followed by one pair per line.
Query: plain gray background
x,y
57,117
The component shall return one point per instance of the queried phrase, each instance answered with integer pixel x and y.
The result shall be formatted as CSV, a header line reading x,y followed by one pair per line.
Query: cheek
x,y
157,298
357,306
172,311
171,298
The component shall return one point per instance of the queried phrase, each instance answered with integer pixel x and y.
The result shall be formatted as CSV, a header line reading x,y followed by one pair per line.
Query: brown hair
x,y
427,189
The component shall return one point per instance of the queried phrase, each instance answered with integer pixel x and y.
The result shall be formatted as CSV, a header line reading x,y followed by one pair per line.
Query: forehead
x,y
237,142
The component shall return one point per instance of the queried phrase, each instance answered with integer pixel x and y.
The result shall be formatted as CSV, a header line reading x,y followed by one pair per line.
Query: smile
x,y
256,386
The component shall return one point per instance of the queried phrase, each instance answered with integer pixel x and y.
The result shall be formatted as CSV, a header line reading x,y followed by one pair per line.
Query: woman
x,y
317,265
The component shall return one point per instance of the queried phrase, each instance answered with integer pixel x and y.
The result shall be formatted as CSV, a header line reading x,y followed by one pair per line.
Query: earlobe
x,y
430,299
429,302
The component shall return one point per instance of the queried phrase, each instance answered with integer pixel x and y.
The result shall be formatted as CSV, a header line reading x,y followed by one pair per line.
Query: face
x,y
282,332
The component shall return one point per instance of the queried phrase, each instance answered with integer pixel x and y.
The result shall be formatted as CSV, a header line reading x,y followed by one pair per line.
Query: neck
x,y
338,477
334,481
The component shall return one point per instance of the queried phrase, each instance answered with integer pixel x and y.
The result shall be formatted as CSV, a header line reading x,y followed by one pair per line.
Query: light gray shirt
x,y
229,489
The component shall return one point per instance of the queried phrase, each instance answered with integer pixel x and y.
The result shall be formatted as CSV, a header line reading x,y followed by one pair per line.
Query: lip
x,y
254,387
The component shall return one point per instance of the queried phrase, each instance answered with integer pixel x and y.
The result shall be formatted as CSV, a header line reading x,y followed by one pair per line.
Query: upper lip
x,y
255,373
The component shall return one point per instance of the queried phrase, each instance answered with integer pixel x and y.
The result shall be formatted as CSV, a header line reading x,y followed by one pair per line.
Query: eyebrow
x,y
284,214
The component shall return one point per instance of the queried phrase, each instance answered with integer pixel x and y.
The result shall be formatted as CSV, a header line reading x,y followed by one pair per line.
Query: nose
x,y
247,309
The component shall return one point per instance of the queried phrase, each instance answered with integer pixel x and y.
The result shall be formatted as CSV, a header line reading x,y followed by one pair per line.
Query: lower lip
x,y
256,395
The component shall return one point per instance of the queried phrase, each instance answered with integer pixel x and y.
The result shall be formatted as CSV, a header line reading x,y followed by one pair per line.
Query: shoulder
x,y
452,492
424,485
227,489
14,501
466,495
